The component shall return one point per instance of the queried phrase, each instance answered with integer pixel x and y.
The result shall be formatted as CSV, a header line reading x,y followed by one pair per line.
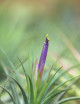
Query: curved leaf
x,y
54,89
67,88
49,98
9,94
29,84
67,99
52,80
46,86
10,63
23,93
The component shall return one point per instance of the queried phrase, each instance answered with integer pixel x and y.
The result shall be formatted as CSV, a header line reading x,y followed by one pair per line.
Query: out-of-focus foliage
x,y
23,25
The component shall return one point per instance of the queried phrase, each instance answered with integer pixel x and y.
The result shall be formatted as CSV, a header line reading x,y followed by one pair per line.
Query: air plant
x,y
38,92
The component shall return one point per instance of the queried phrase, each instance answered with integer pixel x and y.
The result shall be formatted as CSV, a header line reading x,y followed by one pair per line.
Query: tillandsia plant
x,y
39,91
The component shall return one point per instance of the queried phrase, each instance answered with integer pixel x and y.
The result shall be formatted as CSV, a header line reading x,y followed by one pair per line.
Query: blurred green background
x,y
24,25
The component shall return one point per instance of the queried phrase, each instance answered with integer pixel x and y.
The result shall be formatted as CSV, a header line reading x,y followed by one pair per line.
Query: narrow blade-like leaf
x,y
67,99
29,84
22,90
9,94
49,98
55,89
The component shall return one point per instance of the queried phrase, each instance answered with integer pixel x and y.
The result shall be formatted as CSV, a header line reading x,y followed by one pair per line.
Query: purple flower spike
x,y
43,56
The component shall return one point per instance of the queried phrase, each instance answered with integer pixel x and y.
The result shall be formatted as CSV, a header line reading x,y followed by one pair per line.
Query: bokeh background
x,y
23,27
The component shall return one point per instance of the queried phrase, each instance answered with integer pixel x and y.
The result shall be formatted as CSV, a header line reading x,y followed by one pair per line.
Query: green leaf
x,y
9,94
46,79
49,98
54,89
14,92
22,90
44,89
64,71
59,75
52,80
11,64
4,85
66,89
29,84
67,99
36,89
31,92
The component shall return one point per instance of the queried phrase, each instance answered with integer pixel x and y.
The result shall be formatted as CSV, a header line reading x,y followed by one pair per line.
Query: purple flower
x,y
43,57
